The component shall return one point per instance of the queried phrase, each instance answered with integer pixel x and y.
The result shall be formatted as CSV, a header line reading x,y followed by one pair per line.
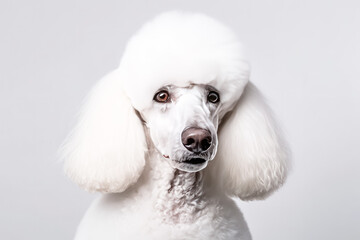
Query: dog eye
x,y
213,97
162,96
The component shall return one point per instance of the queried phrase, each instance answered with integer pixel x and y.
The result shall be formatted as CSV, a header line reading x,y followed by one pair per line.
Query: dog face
x,y
183,124
182,82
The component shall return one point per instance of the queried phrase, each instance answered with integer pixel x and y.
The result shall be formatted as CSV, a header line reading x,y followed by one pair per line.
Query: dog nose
x,y
196,140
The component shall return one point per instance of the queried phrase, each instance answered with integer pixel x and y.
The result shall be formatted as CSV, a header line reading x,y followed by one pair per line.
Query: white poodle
x,y
172,134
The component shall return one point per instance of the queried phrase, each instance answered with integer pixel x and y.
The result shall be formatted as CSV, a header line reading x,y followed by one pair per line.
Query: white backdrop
x,y
305,58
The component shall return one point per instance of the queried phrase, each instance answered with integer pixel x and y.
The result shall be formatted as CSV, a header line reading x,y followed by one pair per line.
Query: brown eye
x,y
162,97
213,97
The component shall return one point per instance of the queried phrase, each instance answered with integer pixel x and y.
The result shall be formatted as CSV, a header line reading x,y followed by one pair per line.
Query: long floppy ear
x,y
106,150
251,161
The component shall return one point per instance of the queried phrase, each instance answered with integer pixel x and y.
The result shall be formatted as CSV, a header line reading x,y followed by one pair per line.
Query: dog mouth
x,y
195,161
189,165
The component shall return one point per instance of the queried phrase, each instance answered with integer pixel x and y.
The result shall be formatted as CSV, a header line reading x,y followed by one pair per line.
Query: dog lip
x,y
194,161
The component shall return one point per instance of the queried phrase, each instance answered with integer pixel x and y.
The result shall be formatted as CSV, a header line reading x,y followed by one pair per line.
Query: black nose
x,y
196,140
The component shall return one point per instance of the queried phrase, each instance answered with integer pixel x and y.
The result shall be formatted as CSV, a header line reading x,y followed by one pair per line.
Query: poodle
x,y
172,135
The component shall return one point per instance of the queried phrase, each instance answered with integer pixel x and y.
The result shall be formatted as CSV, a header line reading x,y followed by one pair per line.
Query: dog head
x,y
183,77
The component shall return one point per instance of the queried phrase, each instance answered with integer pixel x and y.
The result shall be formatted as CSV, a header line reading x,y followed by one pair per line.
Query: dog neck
x,y
178,195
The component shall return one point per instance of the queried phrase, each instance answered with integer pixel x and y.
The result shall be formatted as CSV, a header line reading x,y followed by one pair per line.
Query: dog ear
x,y
106,150
251,161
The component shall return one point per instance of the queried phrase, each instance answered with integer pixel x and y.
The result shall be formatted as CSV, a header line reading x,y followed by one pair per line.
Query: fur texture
x,y
128,144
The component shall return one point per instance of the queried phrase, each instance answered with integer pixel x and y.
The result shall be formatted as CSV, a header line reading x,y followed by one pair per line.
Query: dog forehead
x,y
182,49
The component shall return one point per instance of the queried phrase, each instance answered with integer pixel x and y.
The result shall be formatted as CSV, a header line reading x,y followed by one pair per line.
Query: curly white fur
x,y
129,146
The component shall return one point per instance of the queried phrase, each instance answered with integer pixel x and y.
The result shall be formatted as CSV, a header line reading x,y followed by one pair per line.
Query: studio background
x,y
305,58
